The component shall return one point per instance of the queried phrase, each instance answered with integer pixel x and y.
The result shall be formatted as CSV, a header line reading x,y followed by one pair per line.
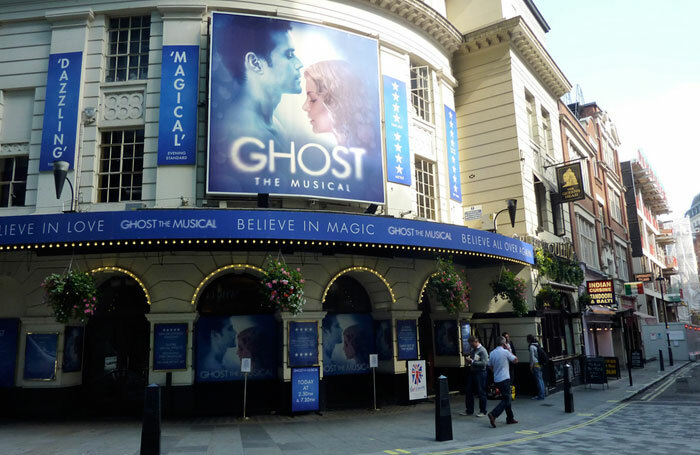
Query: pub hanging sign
x,y
570,182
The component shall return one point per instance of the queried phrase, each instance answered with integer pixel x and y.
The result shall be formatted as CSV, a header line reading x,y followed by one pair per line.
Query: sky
x,y
640,61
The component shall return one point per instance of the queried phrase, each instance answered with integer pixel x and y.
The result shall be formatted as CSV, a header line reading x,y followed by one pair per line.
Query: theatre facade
x,y
202,143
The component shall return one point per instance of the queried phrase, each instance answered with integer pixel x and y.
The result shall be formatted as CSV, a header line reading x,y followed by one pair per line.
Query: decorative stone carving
x,y
422,140
14,148
123,105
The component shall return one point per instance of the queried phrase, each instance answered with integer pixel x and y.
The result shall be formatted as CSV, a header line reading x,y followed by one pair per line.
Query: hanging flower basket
x,y
548,298
71,295
511,288
283,287
449,287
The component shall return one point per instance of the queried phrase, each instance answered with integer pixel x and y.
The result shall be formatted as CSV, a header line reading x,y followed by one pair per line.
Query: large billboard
x,y
222,341
294,109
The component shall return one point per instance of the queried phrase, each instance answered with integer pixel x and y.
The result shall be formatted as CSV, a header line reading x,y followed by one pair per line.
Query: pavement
x,y
619,417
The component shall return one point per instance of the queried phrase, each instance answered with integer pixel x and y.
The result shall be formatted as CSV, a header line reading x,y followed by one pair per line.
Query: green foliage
x,y
584,300
558,269
72,295
510,287
548,297
283,287
449,287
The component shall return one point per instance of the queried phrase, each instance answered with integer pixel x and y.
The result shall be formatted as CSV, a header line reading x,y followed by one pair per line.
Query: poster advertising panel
x,y
169,347
417,386
177,123
9,330
398,156
602,292
465,332
453,154
40,356
348,340
570,182
446,338
383,339
407,339
303,344
305,389
294,109
73,349
222,341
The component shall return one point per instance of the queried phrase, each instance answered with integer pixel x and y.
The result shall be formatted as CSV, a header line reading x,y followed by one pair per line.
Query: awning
x,y
600,310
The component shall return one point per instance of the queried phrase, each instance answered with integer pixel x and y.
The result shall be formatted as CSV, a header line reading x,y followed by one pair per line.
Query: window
x,y
584,167
425,189
621,259
421,93
531,116
615,209
588,243
13,181
557,214
127,54
121,166
546,138
608,155
541,201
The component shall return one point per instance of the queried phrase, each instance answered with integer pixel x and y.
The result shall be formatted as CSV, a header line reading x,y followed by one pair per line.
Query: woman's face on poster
x,y
317,111
348,347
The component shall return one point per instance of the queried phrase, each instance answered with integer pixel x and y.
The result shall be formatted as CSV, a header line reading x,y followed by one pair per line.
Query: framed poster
x,y
407,339
73,349
303,344
170,347
305,389
40,356
465,332
446,337
9,332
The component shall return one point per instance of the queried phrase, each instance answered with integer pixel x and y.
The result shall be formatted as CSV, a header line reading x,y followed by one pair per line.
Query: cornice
x,y
424,17
64,18
518,35
193,11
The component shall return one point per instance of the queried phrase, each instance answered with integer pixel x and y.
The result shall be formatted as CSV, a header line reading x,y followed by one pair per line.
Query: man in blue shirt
x,y
499,362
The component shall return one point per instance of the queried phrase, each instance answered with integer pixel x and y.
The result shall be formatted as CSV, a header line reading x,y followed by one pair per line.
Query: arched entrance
x,y
115,369
234,325
349,334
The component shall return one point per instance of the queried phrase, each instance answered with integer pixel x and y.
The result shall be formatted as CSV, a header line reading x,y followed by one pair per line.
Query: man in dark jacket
x,y
477,358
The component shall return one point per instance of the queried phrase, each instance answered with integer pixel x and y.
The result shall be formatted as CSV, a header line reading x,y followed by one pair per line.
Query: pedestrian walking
x,y
499,361
537,362
511,348
477,358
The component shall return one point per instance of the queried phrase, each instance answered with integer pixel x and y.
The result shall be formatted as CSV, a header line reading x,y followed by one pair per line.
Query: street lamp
x,y
512,207
60,176
661,281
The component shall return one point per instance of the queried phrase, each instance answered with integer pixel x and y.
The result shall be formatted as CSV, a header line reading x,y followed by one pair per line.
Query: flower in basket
x,y
72,295
283,287
449,287
510,287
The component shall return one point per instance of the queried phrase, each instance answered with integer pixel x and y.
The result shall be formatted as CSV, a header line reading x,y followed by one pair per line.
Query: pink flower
x,y
94,299
84,300
301,281
269,285
298,269
285,282
274,281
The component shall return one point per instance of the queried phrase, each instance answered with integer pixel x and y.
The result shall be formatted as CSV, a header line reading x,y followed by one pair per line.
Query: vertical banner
x,y
446,338
9,330
60,130
417,386
407,339
383,339
73,349
303,344
177,133
453,154
348,340
305,389
398,157
222,341
169,347
40,356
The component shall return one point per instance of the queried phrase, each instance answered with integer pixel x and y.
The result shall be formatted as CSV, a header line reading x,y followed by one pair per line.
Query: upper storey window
x,y
421,92
127,54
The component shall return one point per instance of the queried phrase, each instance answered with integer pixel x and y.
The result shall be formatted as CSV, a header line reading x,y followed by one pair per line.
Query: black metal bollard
x,y
670,357
443,417
150,431
661,359
568,396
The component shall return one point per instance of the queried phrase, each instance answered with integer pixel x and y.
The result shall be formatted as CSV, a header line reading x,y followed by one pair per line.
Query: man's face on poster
x,y
282,69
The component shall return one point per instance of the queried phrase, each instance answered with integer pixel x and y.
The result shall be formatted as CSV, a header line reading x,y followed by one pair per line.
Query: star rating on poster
x,y
451,132
397,121
396,139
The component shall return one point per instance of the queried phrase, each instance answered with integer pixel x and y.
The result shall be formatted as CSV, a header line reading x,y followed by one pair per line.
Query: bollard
x,y
661,359
443,417
568,396
150,431
670,357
